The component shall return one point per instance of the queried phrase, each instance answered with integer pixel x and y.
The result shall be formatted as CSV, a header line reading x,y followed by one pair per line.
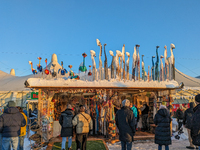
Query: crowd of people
x,y
13,124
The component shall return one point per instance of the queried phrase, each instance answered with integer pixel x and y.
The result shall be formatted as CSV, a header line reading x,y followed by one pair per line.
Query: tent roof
x,y
180,101
12,83
187,80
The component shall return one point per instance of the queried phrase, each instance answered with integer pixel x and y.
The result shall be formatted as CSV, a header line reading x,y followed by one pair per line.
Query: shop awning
x,y
180,101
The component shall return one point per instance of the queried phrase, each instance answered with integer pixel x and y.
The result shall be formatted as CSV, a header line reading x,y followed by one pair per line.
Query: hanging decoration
x,y
62,70
82,67
89,73
46,71
39,67
33,70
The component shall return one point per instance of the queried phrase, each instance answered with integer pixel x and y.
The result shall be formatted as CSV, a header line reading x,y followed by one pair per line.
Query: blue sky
x,y
33,28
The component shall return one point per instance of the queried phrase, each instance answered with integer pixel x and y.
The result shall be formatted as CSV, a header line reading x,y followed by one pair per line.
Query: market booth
x,y
101,98
102,89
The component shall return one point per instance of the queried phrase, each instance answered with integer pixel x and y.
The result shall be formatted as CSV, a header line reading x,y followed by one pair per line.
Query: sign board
x,y
32,96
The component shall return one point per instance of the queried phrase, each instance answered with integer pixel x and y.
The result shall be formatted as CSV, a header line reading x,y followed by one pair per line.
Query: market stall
x,y
102,90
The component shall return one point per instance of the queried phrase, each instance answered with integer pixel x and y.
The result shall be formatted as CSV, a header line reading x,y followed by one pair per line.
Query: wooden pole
x,y
170,110
39,105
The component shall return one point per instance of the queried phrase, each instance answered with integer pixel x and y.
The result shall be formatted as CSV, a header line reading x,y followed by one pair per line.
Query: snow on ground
x,y
150,145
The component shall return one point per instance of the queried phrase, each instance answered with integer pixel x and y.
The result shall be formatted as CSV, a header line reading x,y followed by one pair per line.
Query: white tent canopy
x,y
187,80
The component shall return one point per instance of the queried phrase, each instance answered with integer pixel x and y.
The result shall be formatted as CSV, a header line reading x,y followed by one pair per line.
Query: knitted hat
x,y
11,104
162,107
197,98
126,102
69,106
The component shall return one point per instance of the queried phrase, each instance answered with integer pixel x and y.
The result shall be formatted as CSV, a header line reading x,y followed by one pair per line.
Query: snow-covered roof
x,y
187,80
103,84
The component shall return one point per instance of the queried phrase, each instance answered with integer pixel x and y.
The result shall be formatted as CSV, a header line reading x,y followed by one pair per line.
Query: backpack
x,y
67,121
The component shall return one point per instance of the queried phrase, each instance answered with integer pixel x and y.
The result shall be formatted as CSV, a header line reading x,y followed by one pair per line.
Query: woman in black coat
x,y
162,132
67,127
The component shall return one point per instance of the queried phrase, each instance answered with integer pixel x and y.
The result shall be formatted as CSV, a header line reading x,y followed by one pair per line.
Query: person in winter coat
x,y
187,120
162,132
10,123
179,115
135,113
145,112
83,123
67,126
125,122
195,125
22,131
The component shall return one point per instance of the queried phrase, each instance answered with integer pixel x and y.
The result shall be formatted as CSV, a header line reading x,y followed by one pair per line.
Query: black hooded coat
x,y
195,126
187,117
67,131
162,132
125,122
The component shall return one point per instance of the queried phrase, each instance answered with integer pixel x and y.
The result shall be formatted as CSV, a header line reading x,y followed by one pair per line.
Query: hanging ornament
x,y
46,71
62,70
33,70
89,73
39,67
82,67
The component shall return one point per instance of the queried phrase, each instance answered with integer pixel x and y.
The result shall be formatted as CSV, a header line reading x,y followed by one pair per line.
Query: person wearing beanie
x,y
179,116
125,121
67,126
10,124
187,119
162,132
195,124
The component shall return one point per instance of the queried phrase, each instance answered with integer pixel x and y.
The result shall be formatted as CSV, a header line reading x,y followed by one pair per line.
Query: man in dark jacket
x,y
125,122
145,112
187,119
195,125
179,115
67,126
10,123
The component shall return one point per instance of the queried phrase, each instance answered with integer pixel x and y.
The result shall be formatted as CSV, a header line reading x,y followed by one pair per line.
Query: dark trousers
x,y
160,147
81,140
144,122
180,123
126,145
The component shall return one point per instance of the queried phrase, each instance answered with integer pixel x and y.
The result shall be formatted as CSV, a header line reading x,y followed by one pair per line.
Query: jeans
x,y
6,143
64,142
126,145
0,141
160,147
21,143
81,140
